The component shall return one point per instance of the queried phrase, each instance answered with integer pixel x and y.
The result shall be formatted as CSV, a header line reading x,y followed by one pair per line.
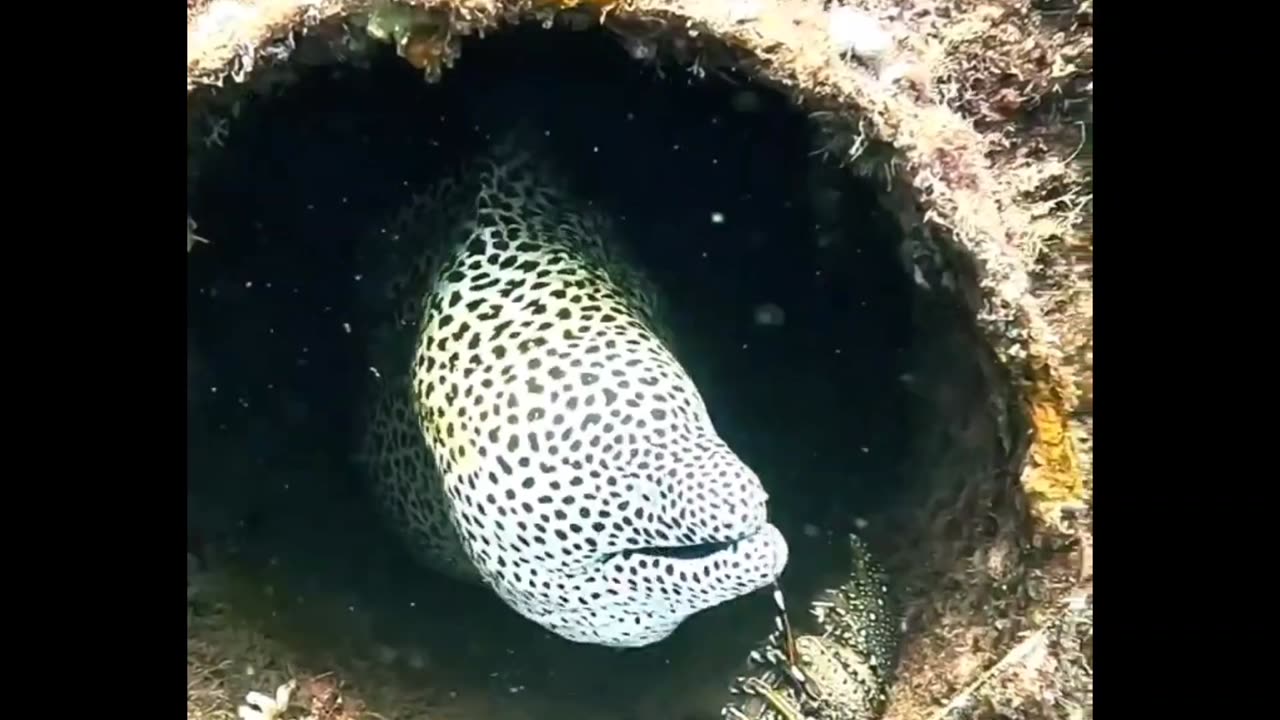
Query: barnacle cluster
x,y
421,36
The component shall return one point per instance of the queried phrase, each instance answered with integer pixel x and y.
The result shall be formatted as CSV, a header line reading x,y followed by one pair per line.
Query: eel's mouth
x,y
747,533
684,552
696,551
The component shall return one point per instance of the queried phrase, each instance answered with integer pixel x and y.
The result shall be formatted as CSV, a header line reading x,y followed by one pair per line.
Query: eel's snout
x,y
771,548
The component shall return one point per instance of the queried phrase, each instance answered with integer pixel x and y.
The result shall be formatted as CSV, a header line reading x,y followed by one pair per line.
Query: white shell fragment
x,y
265,707
192,237
856,33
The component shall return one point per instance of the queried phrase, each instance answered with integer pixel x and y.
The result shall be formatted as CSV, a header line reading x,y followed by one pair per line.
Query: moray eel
x,y
532,429
843,673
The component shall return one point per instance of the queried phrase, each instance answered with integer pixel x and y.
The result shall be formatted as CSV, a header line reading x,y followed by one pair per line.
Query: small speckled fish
x,y
533,430
845,672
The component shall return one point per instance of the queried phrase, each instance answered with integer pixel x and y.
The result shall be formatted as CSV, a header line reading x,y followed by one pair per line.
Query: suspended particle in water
x,y
746,101
769,315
